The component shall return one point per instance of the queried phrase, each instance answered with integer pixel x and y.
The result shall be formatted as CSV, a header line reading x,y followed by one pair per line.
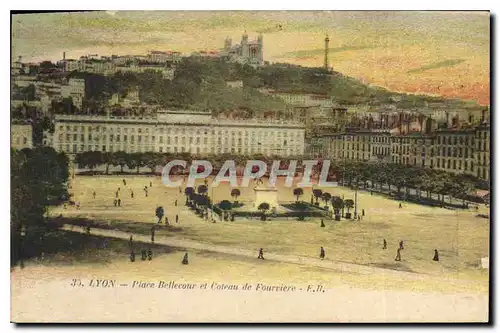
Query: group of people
x,y
117,201
145,255
401,247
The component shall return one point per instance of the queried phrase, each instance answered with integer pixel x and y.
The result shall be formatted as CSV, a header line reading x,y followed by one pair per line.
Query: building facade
x,y
482,152
176,132
458,151
21,136
455,151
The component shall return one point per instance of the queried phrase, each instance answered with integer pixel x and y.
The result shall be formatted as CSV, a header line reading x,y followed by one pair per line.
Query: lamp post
x,y
22,240
356,199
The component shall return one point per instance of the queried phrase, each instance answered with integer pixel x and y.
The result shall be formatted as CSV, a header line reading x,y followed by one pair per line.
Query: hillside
x,y
201,84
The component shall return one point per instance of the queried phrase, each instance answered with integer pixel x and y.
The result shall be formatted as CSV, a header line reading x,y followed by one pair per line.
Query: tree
x,y
337,204
225,205
326,197
159,213
298,192
235,193
120,158
38,178
348,203
317,194
108,159
264,207
188,191
136,160
202,189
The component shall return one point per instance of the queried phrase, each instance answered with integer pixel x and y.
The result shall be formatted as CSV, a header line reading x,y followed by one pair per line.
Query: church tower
x,y
260,42
227,44
327,41
245,52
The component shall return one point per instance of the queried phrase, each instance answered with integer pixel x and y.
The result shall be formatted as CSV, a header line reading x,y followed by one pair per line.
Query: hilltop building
x,y
247,52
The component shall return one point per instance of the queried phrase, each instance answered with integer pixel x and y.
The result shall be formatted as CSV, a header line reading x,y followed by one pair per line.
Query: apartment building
x,y
176,132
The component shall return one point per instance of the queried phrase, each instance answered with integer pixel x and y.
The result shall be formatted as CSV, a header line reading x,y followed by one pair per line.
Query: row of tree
x,y
367,175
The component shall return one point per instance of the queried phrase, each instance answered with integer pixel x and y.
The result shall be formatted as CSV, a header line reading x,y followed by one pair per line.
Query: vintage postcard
x,y
267,166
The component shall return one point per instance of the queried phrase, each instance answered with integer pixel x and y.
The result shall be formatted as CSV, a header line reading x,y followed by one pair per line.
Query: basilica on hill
x,y
247,52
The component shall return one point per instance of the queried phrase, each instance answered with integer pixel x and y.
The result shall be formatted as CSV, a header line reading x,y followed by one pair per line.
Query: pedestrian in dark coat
x,y
436,255
398,255
150,254
261,254
119,202
176,218
132,256
185,260
322,253
322,223
144,255
385,245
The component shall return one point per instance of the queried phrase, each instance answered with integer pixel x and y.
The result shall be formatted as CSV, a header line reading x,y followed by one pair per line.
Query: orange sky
x,y
441,53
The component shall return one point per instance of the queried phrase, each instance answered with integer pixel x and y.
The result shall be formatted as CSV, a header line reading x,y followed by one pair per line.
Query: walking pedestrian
x,y
124,182
400,205
175,203
322,223
363,212
185,260
436,255
385,245
150,184
401,245
398,255
176,218
93,194
261,254
143,255
131,194
150,254
116,194
119,202
130,242
322,253
132,256
115,202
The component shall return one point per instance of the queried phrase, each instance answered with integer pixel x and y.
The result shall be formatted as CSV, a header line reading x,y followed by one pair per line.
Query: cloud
x,y
440,64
